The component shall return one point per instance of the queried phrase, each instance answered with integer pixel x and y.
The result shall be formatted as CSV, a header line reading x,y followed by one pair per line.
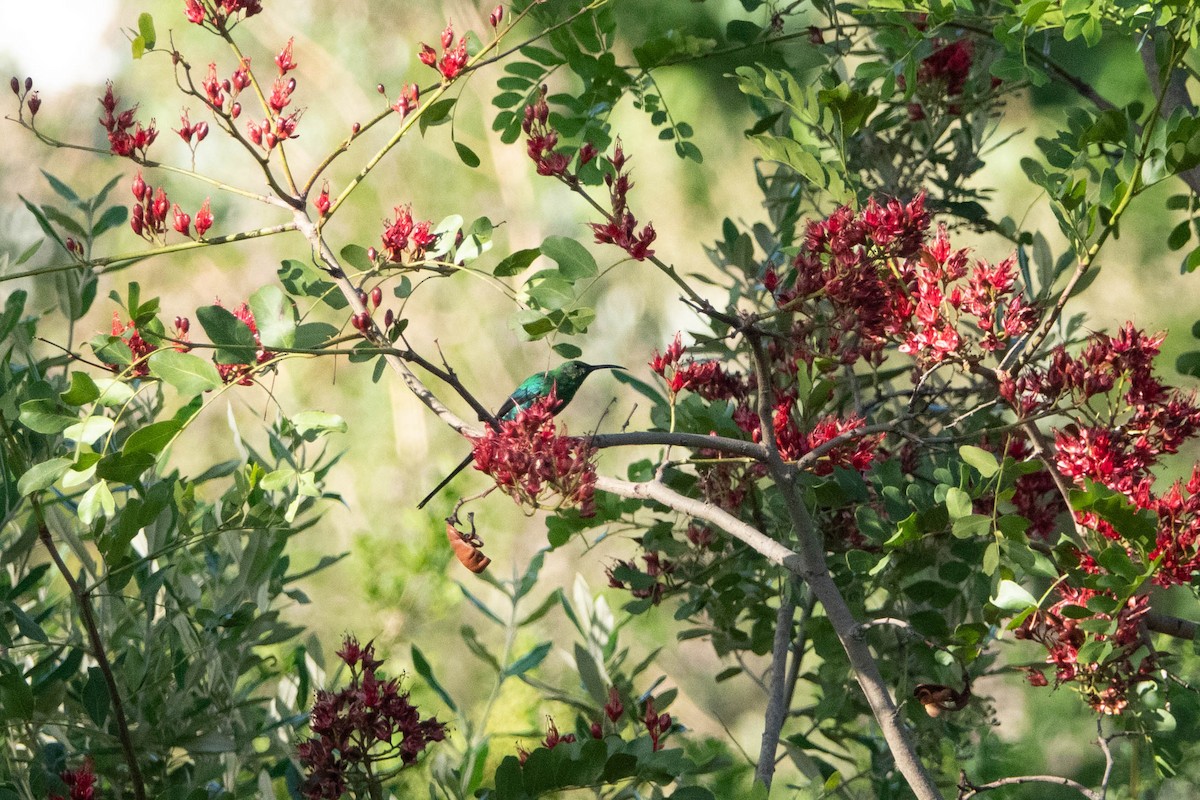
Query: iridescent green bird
x,y
564,380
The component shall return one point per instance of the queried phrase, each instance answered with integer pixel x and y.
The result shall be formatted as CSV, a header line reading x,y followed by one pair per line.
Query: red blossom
x,y
530,460
453,59
204,219
404,240
1105,683
126,136
81,782
284,60
369,721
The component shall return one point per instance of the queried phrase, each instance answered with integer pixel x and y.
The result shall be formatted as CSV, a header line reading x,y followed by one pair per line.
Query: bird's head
x,y
578,370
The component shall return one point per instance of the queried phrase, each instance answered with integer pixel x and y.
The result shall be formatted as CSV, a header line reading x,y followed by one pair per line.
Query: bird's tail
x,y
446,480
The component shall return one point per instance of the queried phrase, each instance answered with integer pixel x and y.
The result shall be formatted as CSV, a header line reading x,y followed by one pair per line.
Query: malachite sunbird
x,y
565,380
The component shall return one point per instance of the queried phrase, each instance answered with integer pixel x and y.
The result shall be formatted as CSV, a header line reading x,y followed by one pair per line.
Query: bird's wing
x,y
531,389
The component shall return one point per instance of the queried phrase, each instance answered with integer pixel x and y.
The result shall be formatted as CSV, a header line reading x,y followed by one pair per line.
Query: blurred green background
x,y
398,584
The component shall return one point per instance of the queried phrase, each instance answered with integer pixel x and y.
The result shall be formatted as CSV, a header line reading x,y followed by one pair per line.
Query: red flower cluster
x,y
862,281
706,378
657,725
218,12
358,726
941,75
81,782
1107,682
148,217
404,237
454,57
1145,421
243,373
1035,496
126,136
529,459
542,141
140,348
620,229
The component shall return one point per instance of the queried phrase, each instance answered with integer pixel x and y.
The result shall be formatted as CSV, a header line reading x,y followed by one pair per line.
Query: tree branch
x,y
778,693
967,790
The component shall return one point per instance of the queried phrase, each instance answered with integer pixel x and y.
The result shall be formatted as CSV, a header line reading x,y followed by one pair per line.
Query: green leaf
x,y
313,335
971,526
984,462
16,698
1011,596
42,476
14,307
516,263
567,351
124,468
113,217
318,421
466,155
573,259
274,316
96,502
421,665
83,390
436,113
61,189
226,330
958,503
44,416
151,438
89,429
991,558
96,700
528,661
189,374
356,256
137,47
146,29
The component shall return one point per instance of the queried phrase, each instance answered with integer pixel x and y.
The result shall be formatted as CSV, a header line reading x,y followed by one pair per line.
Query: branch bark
x,y
777,698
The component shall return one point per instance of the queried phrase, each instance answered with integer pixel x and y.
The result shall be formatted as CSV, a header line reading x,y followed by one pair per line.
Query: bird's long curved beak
x,y
594,367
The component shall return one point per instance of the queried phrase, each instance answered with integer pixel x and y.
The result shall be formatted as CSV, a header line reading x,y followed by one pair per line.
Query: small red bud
x,y
15,84
135,222
388,318
139,186
178,321
70,245
597,731
201,131
28,84
496,16
235,110
183,222
226,85
184,324
362,297
291,85
34,103
380,88
376,296
271,140
448,36
255,132
372,253
355,128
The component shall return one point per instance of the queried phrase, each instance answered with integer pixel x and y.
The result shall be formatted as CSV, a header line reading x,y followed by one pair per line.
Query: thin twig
x,y
88,618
